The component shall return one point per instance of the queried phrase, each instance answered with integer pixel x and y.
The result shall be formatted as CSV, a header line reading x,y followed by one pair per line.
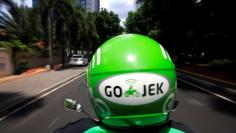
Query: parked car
x,y
78,60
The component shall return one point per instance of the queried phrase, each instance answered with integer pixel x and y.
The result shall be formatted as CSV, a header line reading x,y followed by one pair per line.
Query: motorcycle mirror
x,y
175,105
71,105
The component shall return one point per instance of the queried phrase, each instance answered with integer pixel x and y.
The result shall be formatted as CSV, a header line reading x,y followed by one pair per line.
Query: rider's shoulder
x,y
80,126
169,127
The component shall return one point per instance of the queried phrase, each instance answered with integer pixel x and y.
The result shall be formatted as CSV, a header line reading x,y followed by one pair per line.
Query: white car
x,y
78,60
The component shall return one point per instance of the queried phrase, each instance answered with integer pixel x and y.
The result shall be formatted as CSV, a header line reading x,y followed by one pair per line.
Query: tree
x,y
64,18
56,13
77,30
107,24
136,23
192,27
92,35
15,24
70,26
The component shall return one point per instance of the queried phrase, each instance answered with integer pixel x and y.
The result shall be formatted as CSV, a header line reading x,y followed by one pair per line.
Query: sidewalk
x,y
27,73
218,86
218,77
15,92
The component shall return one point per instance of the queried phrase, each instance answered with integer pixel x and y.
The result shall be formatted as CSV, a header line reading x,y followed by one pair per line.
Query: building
x,y
34,3
90,5
97,5
83,3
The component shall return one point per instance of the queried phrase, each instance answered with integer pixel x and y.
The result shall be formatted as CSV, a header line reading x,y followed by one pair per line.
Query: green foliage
x,y
136,23
59,25
20,31
226,66
13,44
19,25
154,32
187,26
92,35
107,24
21,67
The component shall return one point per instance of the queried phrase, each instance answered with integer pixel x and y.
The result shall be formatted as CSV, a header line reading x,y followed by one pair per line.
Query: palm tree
x,y
84,30
9,20
93,37
63,22
16,28
56,12
79,29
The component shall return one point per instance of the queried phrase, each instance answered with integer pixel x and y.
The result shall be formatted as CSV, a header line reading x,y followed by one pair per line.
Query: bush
x,y
225,66
21,67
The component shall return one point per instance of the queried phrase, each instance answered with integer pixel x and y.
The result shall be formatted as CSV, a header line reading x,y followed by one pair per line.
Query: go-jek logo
x,y
134,89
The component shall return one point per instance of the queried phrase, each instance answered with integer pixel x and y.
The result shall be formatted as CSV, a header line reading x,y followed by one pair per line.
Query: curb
x,y
208,78
14,77
219,89
26,101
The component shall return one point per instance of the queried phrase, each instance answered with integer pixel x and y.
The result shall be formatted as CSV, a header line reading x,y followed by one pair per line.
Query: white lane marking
x,y
98,56
38,98
193,102
213,93
57,84
163,52
53,122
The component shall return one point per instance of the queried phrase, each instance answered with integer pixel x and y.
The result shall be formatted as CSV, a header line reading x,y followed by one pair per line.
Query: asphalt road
x,y
202,111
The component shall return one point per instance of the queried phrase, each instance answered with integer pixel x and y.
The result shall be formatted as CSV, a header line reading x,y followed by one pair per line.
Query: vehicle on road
x,y
78,60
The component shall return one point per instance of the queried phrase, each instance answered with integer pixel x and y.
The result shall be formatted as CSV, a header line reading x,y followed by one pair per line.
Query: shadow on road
x,y
77,67
223,106
188,88
83,98
215,103
13,101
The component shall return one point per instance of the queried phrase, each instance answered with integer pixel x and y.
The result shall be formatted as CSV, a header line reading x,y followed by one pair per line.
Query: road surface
x,y
202,111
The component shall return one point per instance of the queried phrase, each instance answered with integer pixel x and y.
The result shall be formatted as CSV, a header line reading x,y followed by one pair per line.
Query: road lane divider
x,y
208,91
53,122
46,92
193,101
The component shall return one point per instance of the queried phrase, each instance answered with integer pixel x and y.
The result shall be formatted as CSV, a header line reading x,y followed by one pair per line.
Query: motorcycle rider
x,y
132,85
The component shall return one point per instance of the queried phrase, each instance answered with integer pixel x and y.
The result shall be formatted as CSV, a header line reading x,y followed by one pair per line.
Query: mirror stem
x,y
86,113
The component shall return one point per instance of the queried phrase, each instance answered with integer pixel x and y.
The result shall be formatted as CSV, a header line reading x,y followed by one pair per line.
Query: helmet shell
x,y
132,81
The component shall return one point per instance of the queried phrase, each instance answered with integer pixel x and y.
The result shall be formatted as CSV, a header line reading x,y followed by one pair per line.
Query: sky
x,y
120,7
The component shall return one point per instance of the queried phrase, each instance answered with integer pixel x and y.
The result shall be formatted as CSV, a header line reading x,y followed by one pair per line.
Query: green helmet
x,y
132,82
